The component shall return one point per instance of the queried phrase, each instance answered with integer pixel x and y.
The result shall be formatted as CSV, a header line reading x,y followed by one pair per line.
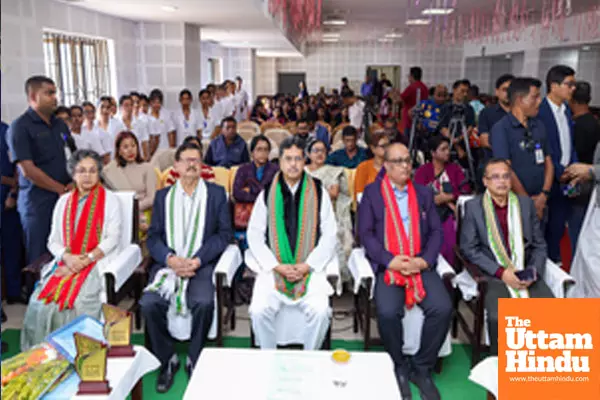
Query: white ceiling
x,y
231,23
369,20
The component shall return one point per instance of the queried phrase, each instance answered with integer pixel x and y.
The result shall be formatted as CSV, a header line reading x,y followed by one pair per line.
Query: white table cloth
x,y
486,374
122,374
290,374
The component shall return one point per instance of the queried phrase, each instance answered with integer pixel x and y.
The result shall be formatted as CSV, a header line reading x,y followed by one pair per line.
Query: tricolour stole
x,y
308,214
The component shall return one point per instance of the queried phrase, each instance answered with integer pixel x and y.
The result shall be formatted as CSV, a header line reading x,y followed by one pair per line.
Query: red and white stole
x,y
398,243
79,240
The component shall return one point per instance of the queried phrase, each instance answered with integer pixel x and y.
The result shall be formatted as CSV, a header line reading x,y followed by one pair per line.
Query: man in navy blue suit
x,y
190,229
556,116
402,236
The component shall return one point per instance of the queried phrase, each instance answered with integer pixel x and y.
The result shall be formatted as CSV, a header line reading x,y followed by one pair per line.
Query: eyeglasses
x,y
400,161
316,150
570,84
497,177
191,160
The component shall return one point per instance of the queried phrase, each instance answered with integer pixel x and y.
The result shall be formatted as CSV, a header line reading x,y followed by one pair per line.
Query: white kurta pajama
x,y
267,301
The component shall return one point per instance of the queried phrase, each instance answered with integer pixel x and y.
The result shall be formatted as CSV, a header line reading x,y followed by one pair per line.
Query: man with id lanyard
x,y
37,141
520,139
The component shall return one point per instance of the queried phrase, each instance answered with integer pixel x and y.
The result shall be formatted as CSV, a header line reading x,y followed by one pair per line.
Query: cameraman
x,y
458,108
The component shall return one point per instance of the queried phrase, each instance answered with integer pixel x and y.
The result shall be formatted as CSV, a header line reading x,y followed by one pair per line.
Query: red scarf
x,y
79,240
398,243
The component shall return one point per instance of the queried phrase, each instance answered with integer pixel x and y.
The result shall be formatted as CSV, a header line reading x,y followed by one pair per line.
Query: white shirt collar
x,y
556,109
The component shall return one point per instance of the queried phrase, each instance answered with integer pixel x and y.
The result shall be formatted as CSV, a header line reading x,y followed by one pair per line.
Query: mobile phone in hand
x,y
527,275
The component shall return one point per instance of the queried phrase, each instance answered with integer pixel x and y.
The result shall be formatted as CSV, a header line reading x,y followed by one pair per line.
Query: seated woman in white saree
x,y
335,182
85,229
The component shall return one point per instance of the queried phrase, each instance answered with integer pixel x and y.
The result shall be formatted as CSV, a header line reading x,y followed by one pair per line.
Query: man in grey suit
x,y
501,234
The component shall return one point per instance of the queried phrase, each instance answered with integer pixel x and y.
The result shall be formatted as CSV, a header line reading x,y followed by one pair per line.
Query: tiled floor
x,y
341,329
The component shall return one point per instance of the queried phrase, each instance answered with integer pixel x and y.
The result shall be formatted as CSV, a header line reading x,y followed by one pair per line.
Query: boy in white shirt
x,y
162,129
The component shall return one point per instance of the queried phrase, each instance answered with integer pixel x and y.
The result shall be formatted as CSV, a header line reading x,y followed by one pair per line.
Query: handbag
x,y
241,214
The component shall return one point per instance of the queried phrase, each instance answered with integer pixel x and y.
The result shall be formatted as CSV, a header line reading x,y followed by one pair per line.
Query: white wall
x,y
235,62
22,52
326,64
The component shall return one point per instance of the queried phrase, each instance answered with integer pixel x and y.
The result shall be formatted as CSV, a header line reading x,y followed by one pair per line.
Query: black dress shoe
x,y
166,376
188,368
403,383
426,386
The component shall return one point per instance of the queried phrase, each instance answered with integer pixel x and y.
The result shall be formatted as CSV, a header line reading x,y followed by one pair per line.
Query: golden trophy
x,y
117,331
90,365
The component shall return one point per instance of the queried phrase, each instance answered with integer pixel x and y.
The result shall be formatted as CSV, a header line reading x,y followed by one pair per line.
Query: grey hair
x,y
292,141
79,155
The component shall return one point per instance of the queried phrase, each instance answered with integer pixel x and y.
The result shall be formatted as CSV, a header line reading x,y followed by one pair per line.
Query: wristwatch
x,y
91,257
547,193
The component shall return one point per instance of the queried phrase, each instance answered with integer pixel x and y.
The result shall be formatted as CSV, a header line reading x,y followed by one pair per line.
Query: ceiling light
x,y
385,40
586,48
508,56
334,22
169,8
330,40
437,11
394,35
331,35
418,21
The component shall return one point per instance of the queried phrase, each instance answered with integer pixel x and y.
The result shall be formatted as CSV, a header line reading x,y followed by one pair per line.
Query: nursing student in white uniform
x,y
106,127
137,126
241,113
223,106
185,118
162,129
205,124
88,141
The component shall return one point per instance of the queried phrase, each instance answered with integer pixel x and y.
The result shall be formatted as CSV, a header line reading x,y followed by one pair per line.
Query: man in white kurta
x,y
303,203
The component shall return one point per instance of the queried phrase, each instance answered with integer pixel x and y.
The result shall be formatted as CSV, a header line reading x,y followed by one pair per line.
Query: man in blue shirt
x,y
36,141
520,138
351,155
494,113
10,237
229,148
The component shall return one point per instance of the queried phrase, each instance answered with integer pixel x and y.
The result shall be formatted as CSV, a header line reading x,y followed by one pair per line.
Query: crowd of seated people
x,y
309,183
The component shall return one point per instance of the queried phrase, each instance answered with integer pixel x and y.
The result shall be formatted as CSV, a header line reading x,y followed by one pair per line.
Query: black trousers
x,y
200,301
497,290
437,310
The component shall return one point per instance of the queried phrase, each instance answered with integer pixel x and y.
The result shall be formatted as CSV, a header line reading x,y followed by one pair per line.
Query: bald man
x,y
402,236
433,107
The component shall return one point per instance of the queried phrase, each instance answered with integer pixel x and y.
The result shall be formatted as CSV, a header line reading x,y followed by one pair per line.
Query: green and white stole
x,y
306,238
184,235
515,237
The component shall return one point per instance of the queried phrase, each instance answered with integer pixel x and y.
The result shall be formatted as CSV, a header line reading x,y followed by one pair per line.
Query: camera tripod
x,y
457,123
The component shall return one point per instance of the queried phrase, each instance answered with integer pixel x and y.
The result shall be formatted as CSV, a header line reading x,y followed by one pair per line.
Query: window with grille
x,y
79,66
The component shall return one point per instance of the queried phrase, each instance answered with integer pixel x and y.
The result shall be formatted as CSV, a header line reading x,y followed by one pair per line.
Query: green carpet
x,y
452,382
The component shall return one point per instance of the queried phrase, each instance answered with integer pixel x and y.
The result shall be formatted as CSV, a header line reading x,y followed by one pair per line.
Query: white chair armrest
x,y
557,279
228,264
251,262
443,268
360,269
122,266
332,270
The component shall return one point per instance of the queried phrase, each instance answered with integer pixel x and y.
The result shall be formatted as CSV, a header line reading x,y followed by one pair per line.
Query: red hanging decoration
x,y
299,17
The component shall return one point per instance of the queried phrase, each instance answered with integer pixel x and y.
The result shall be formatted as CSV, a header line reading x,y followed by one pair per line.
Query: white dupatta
x,y
185,243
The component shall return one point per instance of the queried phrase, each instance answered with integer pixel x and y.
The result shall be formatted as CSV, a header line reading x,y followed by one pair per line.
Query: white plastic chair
x,y
364,285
